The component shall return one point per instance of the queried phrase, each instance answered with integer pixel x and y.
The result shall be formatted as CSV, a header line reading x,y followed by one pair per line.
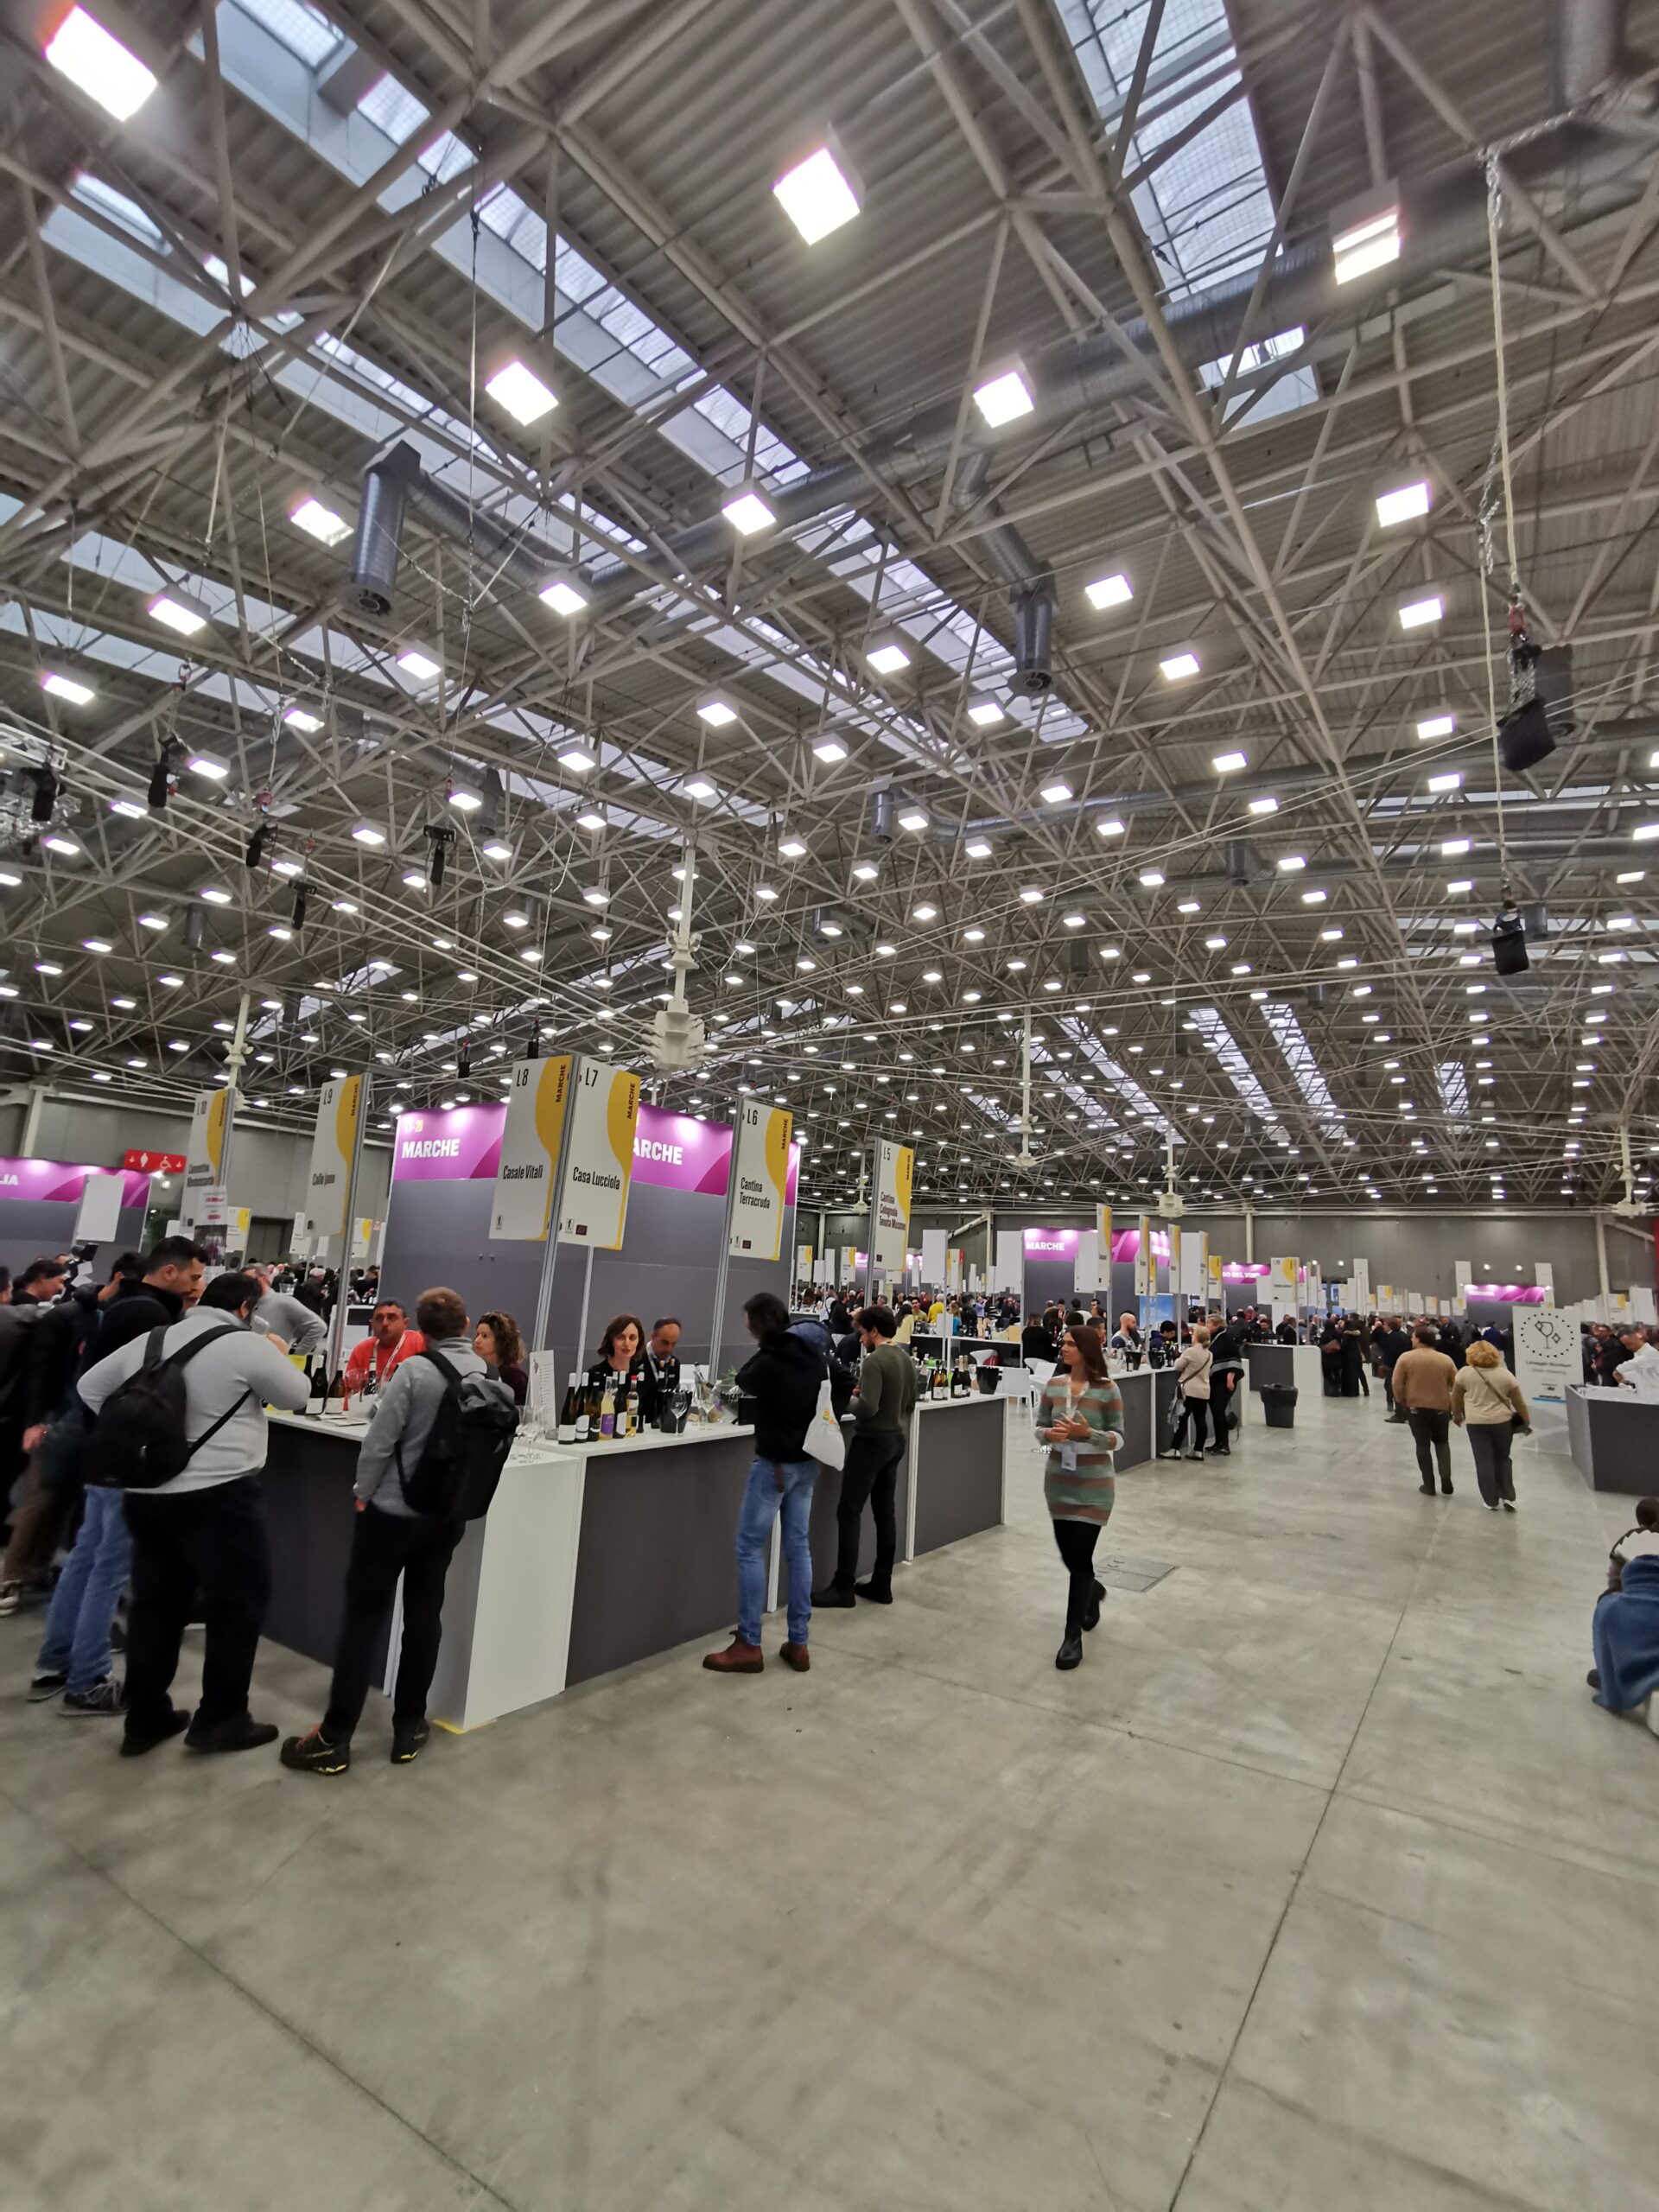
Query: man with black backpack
x,y
437,1440
178,1426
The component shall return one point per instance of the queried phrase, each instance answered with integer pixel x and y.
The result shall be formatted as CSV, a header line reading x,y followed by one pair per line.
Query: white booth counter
x,y
593,1556
1300,1365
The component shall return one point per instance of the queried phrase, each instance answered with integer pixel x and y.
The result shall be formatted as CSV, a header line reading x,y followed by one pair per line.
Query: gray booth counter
x,y
1613,1436
1300,1365
1147,1393
958,1461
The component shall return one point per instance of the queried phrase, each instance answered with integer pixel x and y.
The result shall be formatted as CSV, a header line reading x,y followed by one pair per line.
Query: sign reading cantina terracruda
x,y
759,1181
524,1174
334,1150
890,1206
598,1156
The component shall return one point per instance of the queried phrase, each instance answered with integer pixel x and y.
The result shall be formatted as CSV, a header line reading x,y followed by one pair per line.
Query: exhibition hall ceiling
x,y
1010,509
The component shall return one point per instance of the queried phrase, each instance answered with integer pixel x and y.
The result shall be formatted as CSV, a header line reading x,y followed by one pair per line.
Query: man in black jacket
x,y
1392,1346
783,1378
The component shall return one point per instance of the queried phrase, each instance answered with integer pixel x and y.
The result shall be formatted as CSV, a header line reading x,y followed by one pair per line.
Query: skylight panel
x,y
394,111
1232,1062
94,193
1305,1069
446,157
1454,1081
305,31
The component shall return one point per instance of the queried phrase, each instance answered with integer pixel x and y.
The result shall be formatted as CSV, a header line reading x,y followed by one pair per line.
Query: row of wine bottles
x,y
940,1381
600,1413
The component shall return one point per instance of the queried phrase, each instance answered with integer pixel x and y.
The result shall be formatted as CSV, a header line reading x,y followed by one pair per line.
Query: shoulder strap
x,y
186,1353
451,1381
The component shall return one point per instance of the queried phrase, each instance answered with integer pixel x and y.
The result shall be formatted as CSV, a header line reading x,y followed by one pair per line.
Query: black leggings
x,y
1076,1540
1195,1416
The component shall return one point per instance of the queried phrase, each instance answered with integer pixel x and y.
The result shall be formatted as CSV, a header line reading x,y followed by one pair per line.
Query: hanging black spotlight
x,y
464,1058
156,790
192,925
533,1042
440,838
300,895
46,795
256,843
1509,942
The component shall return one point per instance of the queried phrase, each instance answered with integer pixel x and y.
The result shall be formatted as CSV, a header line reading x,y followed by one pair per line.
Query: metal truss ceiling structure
x,y
1224,836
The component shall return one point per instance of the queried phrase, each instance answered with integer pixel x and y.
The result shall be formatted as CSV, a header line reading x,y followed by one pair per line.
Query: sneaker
x,y
244,1733
738,1658
11,1596
795,1656
314,1754
107,1699
45,1685
1508,1504
408,1742
137,1741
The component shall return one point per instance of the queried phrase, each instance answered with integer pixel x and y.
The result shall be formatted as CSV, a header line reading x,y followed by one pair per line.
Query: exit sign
x,y
154,1163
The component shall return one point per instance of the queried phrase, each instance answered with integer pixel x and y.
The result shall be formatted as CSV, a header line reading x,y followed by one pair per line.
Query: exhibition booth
x,y
48,1206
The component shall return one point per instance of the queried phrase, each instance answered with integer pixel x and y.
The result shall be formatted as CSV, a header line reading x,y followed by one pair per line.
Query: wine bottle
x,y
319,1382
631,1419
569,1416
607,1413
587,1414
335,1402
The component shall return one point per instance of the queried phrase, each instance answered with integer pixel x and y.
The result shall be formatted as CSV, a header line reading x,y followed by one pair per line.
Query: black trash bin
x,y
1279,1404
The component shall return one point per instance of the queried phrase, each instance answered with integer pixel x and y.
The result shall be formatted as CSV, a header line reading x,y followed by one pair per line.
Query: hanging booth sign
x,y
527,1167
1103,1246
334,1148
211,1116
890,1204
604,1112
760,1177
1144,1261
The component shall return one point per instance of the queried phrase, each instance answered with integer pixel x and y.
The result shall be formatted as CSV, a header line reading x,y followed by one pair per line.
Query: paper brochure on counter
x,y
604,1113
890,1205
334,1153
759,1180
526,1173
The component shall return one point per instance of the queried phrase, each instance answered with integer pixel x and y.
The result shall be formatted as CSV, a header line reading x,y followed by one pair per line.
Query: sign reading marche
x,y
598,1156
529,1160
334,1148
890,1206
755,1218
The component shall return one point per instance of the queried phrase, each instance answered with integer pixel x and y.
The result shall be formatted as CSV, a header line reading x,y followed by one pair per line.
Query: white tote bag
x,y
823,1437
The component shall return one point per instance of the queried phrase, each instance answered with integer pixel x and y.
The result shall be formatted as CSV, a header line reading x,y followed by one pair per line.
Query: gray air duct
x,y
1033,619
395,485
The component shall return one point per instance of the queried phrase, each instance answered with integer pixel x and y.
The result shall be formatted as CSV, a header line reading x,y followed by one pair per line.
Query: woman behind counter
x,y
1080,1419
498,1344
619,1348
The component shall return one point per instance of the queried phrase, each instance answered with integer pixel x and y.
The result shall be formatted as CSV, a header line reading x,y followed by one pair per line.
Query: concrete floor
x,y
1322,1886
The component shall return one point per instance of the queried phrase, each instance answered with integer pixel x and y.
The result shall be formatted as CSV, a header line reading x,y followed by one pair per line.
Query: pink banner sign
x,y
55,1180
671,1152
1244,1271
1508,1294
1053,1243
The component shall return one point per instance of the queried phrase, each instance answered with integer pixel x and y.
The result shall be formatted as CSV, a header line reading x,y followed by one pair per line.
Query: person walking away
x,y
1423,1382
389,1343
1392,1346
1080,1421
1486,1400
391,1538
783,1376
199,1538
296,1321
1226,1379
1192,1380
886,1392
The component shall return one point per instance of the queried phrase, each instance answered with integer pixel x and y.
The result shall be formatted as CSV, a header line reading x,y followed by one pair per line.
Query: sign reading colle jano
x,y
759,1181
598,1156
529,1154
890,1211
333,1147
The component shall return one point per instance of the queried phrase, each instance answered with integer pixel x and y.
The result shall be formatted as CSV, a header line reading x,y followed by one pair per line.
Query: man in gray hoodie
x,y
390,1538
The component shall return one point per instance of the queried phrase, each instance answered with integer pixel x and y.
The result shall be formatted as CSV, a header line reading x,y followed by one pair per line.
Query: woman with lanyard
x,y
1080,1419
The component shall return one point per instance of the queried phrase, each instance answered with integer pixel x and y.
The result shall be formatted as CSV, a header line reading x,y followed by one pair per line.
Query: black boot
x,y
1091,1618
833,1594
873,1592
244,1733
1069,1654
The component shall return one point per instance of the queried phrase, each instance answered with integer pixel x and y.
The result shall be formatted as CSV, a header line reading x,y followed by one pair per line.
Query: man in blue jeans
x,y
782,1377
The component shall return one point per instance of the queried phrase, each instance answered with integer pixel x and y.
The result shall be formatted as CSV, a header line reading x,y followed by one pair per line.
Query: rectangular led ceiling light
x,y
1264,806
318,521
1179,666
830,749
1450,782
1056,794
889,659
748,513
715,712
298,718
984,714
1439,725
177,610
64,686
1110,828
208,764
1109,591
91,58
1404,503
578,761
1229,764
1004,398
563,595
418,664
521,391
1420,608
817,195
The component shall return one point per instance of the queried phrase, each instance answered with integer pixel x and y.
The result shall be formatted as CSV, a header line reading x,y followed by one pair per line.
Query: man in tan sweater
x,y
1422,1387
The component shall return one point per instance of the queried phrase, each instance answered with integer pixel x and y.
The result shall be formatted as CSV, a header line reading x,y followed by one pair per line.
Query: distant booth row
x,y
594,1556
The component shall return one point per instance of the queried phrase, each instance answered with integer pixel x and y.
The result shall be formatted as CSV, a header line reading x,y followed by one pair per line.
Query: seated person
x,y
1625,1628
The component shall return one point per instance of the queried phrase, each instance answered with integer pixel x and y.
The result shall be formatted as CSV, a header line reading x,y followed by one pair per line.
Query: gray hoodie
x,y
402,1416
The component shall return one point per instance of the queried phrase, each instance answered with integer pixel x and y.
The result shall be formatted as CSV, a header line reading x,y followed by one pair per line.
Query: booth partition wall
x,y
438,1220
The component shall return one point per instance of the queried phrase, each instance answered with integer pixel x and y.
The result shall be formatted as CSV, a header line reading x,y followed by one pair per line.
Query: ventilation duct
x,y
395,486
1033,623
881,813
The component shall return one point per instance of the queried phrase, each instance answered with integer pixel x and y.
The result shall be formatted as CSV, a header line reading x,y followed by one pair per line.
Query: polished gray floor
x,y
1322,1886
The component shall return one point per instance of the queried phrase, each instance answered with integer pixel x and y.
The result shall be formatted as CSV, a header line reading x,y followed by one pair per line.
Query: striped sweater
x,y
1084,1493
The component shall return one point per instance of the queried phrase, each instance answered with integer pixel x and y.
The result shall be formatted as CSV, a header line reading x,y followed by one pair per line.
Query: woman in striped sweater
x,y
1080,1419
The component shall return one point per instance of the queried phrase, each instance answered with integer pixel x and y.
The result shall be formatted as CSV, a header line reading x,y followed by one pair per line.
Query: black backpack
x,y
138,1439
466,1447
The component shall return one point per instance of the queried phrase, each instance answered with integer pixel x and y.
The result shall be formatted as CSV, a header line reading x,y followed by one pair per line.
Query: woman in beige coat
x,y
1486,1400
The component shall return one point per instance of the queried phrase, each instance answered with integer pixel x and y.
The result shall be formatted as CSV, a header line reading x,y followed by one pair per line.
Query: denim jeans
x,y
83,1604
762,1500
